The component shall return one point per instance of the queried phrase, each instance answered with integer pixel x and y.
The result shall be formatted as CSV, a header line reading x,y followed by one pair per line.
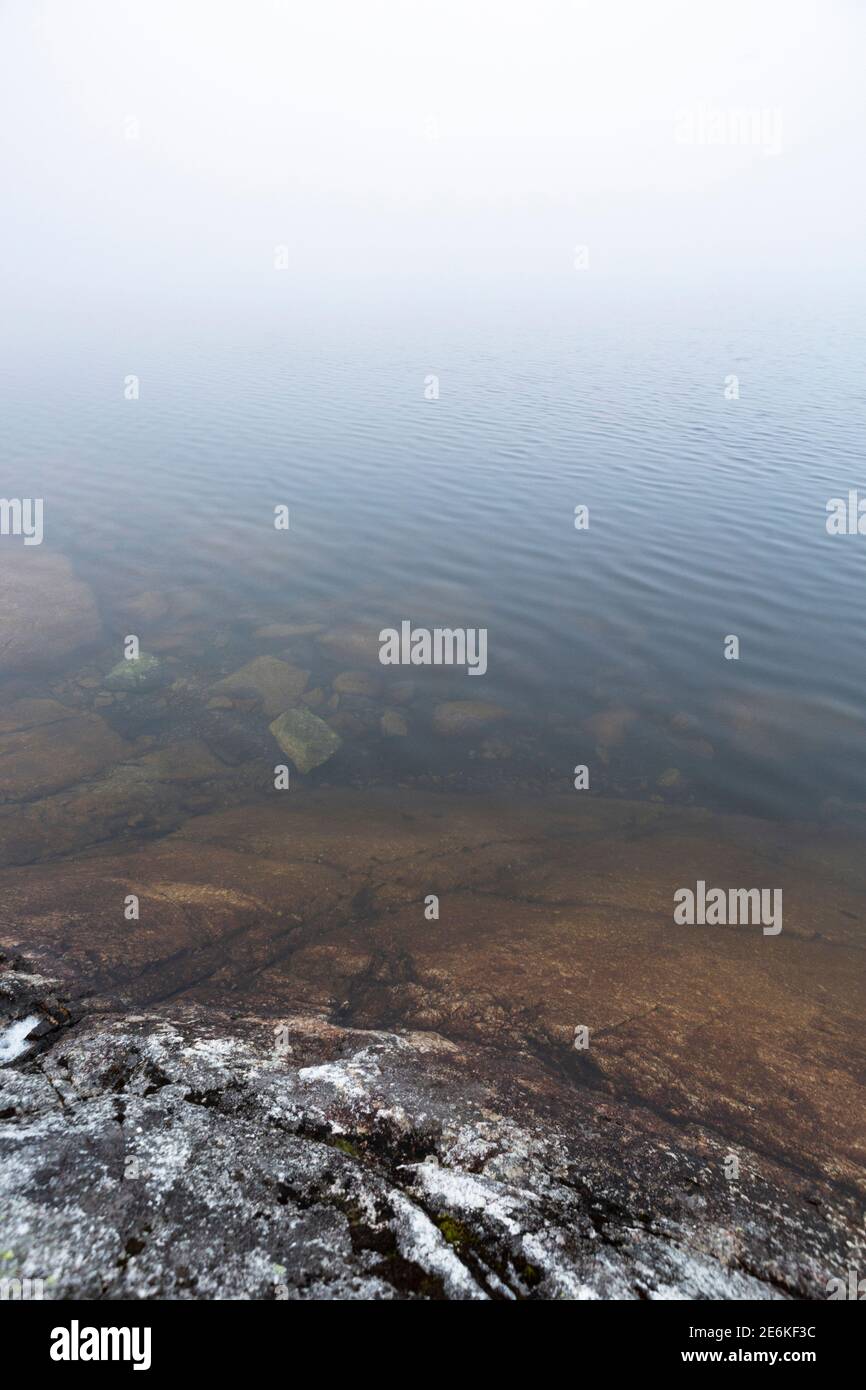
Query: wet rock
x,y
356,683
232,740
283,631
459,718
671,777
403,693
365,713
188,603
393,725
187,761
172,642
496,749
610,727
682,723
45,746
446,1077
356,643
349,724
46,613
698,748
146,607
305,738
278,683
144,672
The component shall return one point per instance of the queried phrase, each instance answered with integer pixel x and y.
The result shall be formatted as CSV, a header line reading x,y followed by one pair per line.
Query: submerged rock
x,y
403,693
45,746
287,630
143,672
188,761
671,777
278,683
356,683
285,1081
45,611
353,642
307,740
393,725
456,718
146,607
610,727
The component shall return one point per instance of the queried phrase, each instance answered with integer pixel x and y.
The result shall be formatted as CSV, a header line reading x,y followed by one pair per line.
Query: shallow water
x,y
707,517
149,862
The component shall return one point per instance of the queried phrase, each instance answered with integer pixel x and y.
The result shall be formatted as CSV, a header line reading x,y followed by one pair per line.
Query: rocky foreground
x,y
178,1154
361,1037
392,1106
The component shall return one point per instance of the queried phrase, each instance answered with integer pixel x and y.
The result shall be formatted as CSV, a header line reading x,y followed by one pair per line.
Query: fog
x,y
177,142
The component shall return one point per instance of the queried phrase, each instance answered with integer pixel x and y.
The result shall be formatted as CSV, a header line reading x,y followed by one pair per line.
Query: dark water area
x,y
605,645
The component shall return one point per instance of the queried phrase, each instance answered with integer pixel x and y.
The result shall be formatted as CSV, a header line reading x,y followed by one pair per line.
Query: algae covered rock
x,y
142,672
393,725
305,738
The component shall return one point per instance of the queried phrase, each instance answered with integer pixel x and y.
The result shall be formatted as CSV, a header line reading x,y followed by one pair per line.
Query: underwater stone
x,y
455,718
137,673
393,725
279,683
305,738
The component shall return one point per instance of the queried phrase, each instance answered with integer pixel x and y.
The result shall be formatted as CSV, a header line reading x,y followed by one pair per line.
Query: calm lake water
x,y
707,515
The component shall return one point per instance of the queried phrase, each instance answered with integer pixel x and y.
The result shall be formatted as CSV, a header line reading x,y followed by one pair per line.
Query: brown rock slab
x,y
146,607
354,642
46,612
45,746
279,683
283,631
458,718
356,683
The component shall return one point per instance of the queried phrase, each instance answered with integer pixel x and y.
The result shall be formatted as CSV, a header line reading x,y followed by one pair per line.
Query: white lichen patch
x,y
420,1241
468,1195
13,1038
350,1078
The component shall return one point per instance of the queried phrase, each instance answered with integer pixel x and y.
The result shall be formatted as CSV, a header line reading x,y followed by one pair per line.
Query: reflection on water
x,y
605,645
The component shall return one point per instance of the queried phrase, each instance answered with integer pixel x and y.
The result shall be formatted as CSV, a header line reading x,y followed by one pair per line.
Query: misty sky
x,y
455,136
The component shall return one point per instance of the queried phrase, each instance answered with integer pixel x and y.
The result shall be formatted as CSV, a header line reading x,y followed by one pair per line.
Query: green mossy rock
x,y
140,673
305,738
